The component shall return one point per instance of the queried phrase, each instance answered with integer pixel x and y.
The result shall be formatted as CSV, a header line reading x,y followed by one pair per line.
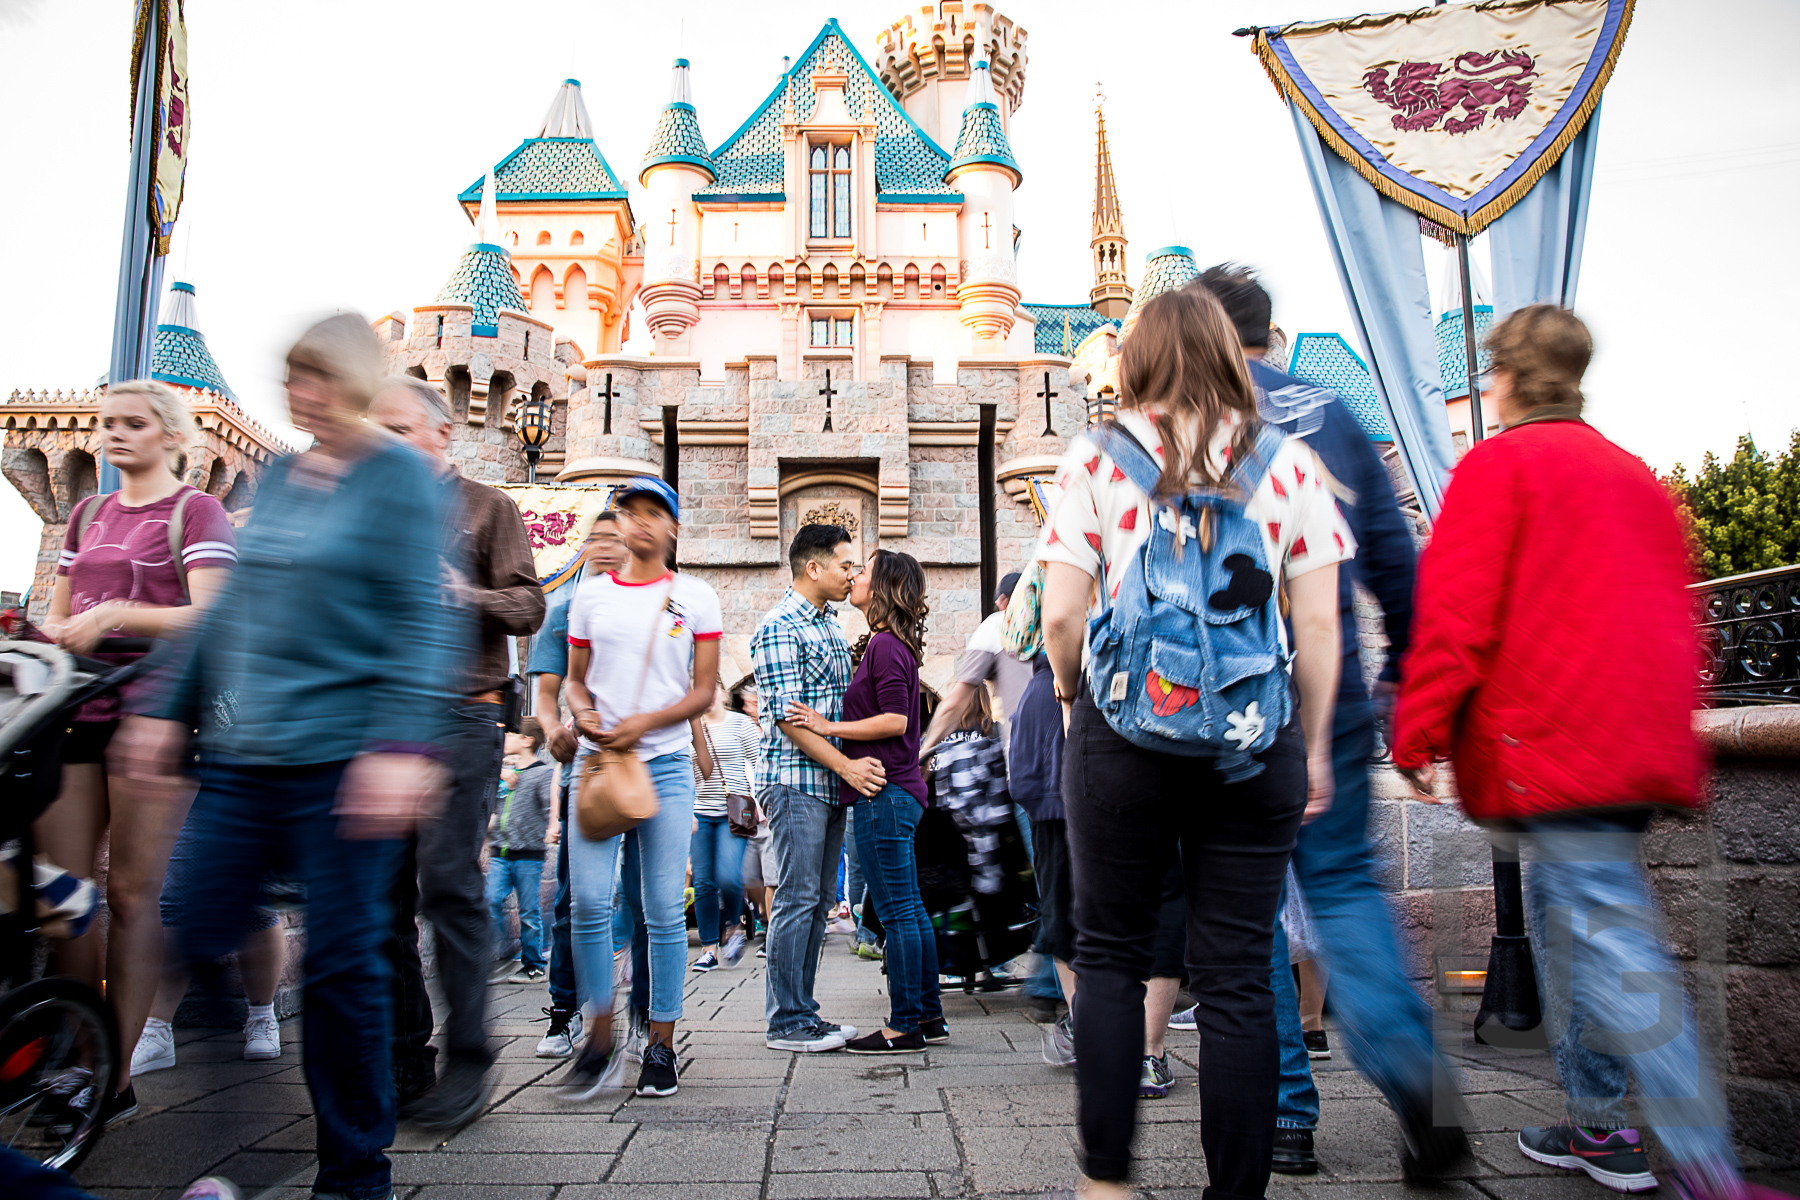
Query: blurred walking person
x,y
518,834
1248,509
492,584
881,721
319,683
724,755
144,561
1515,675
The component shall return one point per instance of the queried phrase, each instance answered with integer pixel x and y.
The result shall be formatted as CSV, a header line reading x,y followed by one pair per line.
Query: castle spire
x,y
982,139
677,138
178,353
1111,293
568,116
487,224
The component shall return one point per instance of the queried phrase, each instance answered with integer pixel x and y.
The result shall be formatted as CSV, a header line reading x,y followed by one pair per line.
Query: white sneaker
x,y
565,1033
155,1050
262,1039
807,1041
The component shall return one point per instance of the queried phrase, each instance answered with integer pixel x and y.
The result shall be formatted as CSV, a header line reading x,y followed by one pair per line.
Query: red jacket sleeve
x,y
1464,578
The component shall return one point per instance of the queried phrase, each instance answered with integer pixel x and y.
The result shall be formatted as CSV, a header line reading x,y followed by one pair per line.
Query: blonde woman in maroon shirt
x,y
119,577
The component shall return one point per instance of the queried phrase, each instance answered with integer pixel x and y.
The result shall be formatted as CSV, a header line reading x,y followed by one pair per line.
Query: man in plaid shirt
x,y
799,655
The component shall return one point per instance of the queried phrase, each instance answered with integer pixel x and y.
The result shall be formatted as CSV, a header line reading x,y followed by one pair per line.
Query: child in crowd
x,y
517,835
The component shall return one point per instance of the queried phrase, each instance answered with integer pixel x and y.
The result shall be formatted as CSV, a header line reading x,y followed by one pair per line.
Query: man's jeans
x,y
662,844
718,858
1382,1021
1297,1102
524,876
249,820
809,837
856,883
885,827
562,955
1613,1000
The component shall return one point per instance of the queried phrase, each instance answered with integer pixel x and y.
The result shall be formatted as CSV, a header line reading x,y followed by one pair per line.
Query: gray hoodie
x,y
523,817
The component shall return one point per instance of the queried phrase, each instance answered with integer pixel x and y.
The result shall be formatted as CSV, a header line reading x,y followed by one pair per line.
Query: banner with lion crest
x,y
557,519
1456,111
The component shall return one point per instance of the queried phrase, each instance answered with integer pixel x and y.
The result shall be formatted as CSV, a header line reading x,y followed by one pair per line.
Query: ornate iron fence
x,y
1750,633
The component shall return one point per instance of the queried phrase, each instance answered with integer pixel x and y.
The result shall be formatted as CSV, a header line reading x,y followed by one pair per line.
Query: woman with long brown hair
x,y
881,720
1221,493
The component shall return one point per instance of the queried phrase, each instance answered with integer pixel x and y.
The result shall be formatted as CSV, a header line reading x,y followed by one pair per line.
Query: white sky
x,y
331,139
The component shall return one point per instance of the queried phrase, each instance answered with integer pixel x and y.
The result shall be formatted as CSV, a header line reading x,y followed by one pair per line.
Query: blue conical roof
x,y
1165,269
484,280
677,138
983,136
178,353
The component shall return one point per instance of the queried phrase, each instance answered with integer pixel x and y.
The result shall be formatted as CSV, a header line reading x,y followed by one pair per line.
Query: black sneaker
x,y
1294,1152
1042,1010
113,1109
1316,1045
1432,1152
461,1092
879,1043
587,1078
661,1075
936,1030
1613,1158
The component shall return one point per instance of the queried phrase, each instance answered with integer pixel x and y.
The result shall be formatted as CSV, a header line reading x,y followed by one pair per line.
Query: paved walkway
x,y
981,1116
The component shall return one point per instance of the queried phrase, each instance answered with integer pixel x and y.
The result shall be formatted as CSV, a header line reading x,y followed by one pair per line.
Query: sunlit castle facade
x,y
830,297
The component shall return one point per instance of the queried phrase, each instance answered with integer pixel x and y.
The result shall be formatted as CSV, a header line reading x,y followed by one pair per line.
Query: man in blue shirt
x,y
1388,1026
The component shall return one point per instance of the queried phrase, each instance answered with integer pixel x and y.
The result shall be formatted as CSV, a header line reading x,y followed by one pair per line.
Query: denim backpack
x,y
1187,658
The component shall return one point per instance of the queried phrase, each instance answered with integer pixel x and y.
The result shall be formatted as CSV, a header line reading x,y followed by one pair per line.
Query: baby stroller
x,y
59,1043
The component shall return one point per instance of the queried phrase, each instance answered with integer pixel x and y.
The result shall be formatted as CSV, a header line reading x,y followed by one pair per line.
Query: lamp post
x,y
534,431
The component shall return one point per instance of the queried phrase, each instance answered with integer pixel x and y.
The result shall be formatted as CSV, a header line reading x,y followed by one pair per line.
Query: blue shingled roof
x,y
179,355
1326,360
677,140
484,280
1453,356
1061,327
983,140
551,168
1165,269
908,164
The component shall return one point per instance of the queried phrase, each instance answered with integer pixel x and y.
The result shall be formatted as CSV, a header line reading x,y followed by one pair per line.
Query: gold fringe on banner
x,y
1448,218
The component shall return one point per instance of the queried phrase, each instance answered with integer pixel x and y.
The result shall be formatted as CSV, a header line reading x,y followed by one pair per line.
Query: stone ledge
x,y
1769,732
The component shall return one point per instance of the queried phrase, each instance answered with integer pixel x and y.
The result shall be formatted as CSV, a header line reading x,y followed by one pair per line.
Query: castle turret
x,y
1111,293
178,355
984,170
483,279
674,168
927,62
1165,269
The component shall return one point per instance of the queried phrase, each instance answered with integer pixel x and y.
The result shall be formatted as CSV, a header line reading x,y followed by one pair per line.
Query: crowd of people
x,y
1168,707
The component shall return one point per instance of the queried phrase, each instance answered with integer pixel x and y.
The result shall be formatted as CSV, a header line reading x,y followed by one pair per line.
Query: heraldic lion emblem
x,y
1425,93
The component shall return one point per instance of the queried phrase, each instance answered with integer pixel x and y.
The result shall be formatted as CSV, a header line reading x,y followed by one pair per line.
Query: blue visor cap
x,y
652,486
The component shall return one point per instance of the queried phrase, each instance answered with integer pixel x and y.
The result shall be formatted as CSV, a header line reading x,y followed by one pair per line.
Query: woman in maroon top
x,y
119,576
881,720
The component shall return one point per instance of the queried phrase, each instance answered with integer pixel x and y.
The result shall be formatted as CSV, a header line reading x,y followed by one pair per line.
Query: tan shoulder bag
x,y
616,793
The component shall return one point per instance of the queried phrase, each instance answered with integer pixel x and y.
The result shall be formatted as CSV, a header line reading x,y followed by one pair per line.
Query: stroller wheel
x,y
58,1040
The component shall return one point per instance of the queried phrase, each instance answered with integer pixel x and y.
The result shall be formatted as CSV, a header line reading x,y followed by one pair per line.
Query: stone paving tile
x,y
703,1155
834,1185
434,1167
483,1191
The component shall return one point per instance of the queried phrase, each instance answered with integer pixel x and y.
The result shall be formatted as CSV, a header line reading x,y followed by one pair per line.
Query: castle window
x,y
575,239
543,237
828,179
833,331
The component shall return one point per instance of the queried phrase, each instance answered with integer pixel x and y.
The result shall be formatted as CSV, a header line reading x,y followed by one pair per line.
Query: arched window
x,y
912,281
776,279
748,280
543,293
543,237
828,178
937,280
721,282
575,293
575,239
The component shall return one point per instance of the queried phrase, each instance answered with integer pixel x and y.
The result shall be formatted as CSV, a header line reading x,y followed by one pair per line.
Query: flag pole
x,y
140,267
1468,307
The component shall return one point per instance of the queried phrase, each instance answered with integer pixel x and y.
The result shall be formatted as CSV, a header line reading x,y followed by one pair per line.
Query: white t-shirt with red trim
x,y
613,619
1102,519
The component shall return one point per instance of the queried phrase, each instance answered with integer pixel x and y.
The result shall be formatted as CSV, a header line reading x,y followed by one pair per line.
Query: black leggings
x,y
1131,812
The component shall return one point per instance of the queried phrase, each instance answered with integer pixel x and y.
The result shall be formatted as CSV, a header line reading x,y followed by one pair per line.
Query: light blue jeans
x,y
1612,996
523,876
809,840
718,858
1297,1097
662,844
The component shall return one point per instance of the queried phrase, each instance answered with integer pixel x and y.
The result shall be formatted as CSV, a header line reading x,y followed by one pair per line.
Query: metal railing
x,y
1750,633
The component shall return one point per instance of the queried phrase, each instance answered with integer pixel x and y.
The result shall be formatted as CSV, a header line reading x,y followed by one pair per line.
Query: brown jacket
x,y
502,578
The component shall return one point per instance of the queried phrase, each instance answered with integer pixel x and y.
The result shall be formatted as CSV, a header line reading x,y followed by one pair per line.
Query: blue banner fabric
x,y
1536,244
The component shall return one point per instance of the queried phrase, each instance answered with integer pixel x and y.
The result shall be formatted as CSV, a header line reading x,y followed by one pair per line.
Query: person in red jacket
x,y
1554,661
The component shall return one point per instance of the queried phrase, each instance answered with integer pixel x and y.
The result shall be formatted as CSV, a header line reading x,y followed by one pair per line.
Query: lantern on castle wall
x,y
534,431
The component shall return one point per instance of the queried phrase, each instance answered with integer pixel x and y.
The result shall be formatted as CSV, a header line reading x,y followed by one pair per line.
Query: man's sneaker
x,y
1059,1042
1183,1019
262,1038
936,1030
707,962
592,1073
1294,1152
155,1050
844,1031
1154,1083
1612,1158
501,971
637,1037
565,1031
115,1108
762,952
458,1098
840,925
869,950
527,975
213,1187
880,1043
733,951
1316,1045
661,1075
1042,1010
1430,1151
808,1041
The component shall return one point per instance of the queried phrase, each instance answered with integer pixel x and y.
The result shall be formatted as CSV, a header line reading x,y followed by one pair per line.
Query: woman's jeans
x,y
1613,1001
885,824
718,858
250,820
1130,811
662,844
525,877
